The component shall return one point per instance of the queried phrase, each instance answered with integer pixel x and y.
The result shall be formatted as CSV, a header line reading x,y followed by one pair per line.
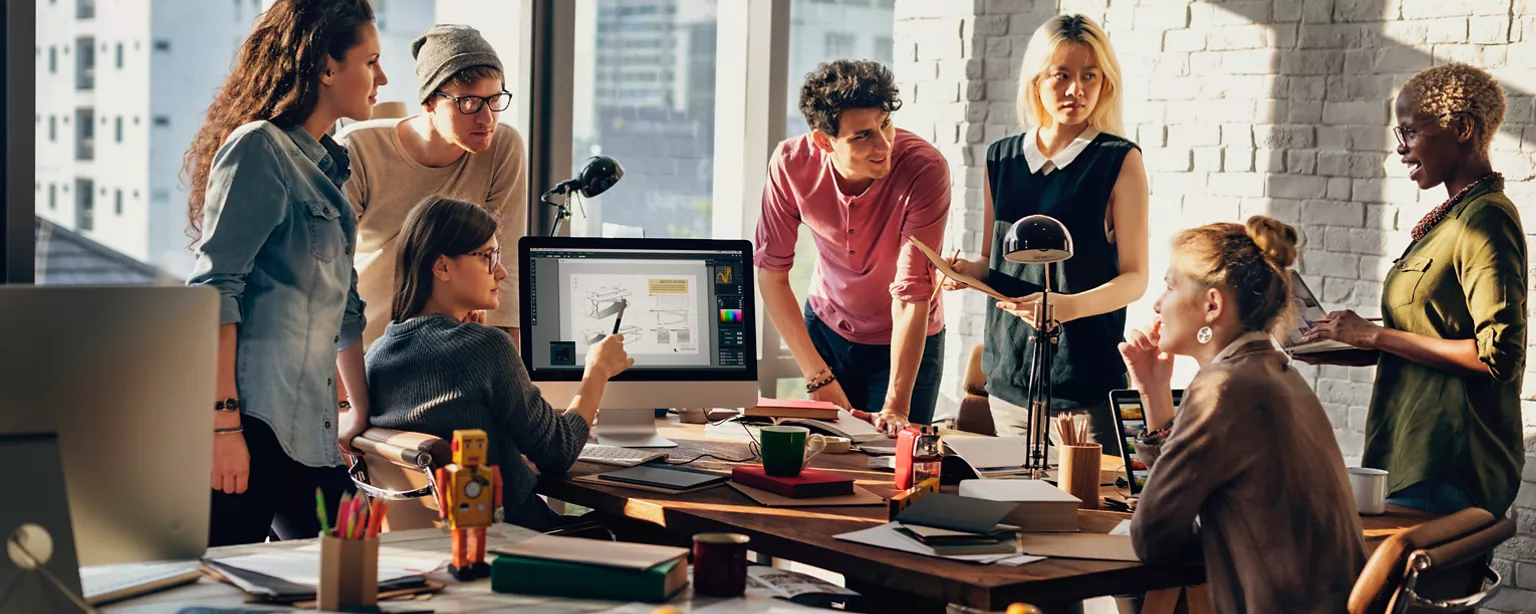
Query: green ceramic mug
x,y
785,449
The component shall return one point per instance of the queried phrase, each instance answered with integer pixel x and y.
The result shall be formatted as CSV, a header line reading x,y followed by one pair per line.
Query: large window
x,y
644,94
821,31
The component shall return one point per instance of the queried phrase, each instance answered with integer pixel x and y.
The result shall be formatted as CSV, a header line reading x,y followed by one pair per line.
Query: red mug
x,y
719,564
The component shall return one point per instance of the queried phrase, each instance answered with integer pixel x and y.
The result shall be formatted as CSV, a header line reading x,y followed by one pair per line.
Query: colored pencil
x,y
325,523
343,515
375,519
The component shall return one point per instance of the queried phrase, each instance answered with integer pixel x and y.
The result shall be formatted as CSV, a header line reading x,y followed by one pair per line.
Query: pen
x,y
623,304
320,508
940,286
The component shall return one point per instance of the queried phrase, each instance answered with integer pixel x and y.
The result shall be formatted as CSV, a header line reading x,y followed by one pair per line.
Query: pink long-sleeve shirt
x,y
863,257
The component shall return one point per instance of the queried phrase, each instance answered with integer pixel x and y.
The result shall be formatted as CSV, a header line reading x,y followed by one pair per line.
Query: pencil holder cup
x,y
1079,475
349,575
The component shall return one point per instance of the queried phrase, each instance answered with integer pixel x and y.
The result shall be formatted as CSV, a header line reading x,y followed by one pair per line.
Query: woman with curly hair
x,y
1074,164
1449,353
274,234
869,339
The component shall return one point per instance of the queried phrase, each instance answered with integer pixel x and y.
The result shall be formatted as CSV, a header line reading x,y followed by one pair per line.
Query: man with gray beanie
x,y
456,147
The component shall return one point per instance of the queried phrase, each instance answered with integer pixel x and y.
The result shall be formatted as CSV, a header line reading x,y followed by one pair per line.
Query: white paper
x,y
1022,559
302,565
885,536
1124,528
787,584
992,457
845,426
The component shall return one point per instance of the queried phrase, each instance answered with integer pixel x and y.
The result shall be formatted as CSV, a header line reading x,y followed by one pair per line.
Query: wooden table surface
x,y
805,534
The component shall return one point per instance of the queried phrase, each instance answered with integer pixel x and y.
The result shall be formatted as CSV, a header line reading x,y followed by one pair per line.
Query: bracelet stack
x,y
229,431
819,380
230,405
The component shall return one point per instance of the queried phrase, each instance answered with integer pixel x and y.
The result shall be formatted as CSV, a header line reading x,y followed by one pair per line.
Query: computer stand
x,y
630,428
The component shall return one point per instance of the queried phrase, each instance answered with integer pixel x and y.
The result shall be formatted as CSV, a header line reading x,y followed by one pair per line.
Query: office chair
x,y
1439,566
399,465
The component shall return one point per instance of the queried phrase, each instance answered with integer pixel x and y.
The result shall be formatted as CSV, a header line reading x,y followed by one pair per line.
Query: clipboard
x,y
987,287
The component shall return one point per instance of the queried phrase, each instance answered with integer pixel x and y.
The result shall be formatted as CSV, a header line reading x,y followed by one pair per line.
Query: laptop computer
x,y
1308,312
1131,420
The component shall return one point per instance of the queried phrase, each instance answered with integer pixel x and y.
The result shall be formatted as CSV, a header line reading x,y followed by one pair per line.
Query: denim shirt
x,y
278,238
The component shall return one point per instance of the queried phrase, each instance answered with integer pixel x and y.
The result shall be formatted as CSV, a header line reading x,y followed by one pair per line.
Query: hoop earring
x,y
1203,335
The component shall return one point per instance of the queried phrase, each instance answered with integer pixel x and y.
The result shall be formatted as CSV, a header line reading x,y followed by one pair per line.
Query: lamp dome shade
x,y
1037,239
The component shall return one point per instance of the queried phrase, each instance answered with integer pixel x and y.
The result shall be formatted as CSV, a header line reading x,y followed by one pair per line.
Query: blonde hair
x,y
1062,30
1441,91
1250,260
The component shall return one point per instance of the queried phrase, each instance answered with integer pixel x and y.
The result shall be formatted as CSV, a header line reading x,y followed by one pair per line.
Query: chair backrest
x,y
975,415
389,109
1444,559
396,466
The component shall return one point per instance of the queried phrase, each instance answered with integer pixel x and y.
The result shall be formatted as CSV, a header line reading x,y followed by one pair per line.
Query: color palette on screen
x,y
730,316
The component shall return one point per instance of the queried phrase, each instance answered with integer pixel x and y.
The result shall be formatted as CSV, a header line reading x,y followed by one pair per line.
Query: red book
x,y
809,484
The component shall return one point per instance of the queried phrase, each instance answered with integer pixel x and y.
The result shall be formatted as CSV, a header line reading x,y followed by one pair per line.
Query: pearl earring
x,y
1203,335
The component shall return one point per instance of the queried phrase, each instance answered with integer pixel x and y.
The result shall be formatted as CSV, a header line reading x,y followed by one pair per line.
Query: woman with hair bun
x,y
1249,452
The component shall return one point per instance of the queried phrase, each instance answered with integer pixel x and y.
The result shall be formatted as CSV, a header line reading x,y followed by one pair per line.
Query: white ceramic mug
x,y
1370,486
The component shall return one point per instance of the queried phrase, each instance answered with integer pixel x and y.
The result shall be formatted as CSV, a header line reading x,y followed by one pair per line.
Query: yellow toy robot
x,y
468,496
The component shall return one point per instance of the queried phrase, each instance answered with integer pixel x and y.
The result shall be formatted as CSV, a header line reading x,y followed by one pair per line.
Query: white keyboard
x,y
614,455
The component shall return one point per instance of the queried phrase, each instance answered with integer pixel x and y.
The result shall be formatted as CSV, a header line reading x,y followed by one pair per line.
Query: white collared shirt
x,y
1038,160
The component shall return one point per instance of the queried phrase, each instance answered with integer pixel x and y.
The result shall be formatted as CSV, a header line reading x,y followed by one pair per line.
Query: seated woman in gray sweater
x,y
439,368
1249,451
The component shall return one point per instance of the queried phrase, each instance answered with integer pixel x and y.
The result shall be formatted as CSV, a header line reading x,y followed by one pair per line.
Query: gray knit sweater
x,y
432,374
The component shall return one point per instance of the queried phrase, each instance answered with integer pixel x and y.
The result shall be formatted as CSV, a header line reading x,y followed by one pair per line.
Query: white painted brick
x,y
1358,10
1250,62
1237,37
1287,11
1206,63
1306,88
996,7
1304,112
1450,30
1200,210
1332,36
1286,136
1203,133
991,24
1355,113
998,48
1374,268
1428,9
1240,13
1184,40
1152,135
1488,29
1299,187
1177,88
1173,159
1413,33
975,112
1329,264
1317,11
1208,159
1400,61
1236,184
1351,443
1303,161
1324,62
1338,188
1288,211
914,9
1269,160
1176,183
1334,213
1494,56
1237,159
1162,17
992,68
1351,241
1357,417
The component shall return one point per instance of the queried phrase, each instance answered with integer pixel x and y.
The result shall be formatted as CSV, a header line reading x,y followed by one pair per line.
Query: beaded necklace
x,y
1436,215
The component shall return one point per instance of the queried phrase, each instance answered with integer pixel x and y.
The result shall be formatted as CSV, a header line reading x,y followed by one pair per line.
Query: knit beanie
x,y
444,50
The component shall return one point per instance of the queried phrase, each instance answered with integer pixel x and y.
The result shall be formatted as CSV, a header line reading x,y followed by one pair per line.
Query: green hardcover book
x,y
532,576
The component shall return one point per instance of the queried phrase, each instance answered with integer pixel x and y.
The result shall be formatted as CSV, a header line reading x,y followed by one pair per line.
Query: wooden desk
x,y
458,597
914,582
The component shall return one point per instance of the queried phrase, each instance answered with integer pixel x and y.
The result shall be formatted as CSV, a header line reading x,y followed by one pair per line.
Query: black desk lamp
x,y
599,174
1040,239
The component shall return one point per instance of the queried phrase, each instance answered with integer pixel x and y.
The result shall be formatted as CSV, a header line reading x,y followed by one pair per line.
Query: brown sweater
x,y
1253,456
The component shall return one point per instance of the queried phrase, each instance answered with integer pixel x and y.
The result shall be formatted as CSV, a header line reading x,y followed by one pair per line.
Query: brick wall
x,y
1242,107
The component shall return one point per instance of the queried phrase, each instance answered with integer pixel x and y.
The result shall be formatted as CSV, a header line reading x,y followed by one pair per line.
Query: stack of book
x,y
951,525
590,569
809,484
1038,506
792,408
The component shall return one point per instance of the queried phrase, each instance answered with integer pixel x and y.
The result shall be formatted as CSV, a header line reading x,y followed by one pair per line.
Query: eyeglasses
x,y
492,259
470,105
1404,133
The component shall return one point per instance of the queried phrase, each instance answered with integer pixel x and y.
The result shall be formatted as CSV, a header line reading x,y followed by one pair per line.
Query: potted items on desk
x,y
468,495
349,556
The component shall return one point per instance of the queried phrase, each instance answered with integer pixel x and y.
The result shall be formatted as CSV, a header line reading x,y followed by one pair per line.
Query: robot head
x,y
469,446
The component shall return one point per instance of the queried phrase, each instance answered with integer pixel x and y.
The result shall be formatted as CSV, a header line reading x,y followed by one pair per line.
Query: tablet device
x,y
674,478
1131,420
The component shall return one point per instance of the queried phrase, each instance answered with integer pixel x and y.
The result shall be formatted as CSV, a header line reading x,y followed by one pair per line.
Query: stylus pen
x,y
623,304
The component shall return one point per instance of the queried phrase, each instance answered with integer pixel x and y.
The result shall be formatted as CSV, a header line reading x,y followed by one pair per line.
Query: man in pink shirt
x,y
869,339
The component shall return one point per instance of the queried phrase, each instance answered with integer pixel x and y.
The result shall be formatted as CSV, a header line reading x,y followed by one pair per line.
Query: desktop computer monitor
x,y
685,308
115,386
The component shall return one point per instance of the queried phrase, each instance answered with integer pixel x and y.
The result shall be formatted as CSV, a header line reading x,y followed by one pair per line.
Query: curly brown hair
x,y
276,77
842,85
1455,88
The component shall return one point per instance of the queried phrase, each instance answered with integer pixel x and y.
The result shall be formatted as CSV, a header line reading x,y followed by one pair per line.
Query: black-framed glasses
x,y
470,105
1403,133
492,259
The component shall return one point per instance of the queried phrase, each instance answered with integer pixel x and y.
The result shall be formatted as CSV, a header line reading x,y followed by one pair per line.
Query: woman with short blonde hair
x,y
1071,163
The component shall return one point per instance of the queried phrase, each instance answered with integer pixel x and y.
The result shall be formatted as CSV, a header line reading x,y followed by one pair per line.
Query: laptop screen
x,y
1131,420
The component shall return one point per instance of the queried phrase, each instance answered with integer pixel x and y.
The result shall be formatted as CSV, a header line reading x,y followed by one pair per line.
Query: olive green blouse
x,y
1466,279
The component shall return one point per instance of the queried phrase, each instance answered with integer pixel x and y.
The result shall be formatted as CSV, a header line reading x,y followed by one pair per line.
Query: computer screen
x,y
685,307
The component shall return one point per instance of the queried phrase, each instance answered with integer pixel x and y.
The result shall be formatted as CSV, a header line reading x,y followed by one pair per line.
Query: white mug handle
x,y
814,444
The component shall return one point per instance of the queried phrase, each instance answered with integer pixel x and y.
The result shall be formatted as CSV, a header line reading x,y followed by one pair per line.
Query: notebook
x,y
108,583
671,478
1308,312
